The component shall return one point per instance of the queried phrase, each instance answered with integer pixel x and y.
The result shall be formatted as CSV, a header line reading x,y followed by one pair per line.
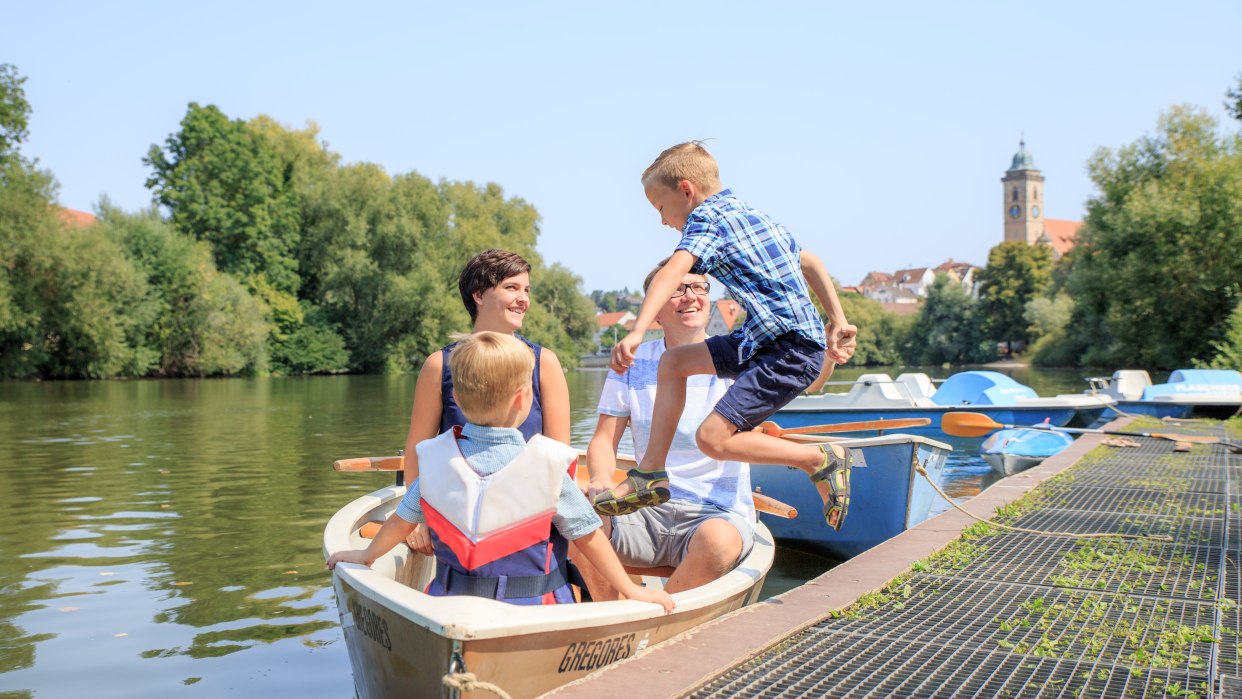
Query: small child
x,y
778,352
501,510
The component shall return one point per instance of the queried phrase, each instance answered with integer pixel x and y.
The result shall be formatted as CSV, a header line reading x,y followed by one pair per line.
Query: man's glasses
x,y
699,288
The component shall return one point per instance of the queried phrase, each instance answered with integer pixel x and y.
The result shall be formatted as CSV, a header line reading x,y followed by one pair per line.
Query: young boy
x,y
500,510
778,352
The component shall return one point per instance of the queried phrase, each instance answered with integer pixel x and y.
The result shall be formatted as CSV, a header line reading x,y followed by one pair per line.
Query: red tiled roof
x,y
1062,234
75,218
607,320
729,311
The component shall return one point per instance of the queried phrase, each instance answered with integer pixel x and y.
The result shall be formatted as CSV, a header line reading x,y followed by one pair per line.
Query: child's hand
x,y
642,594
355,556
623,353
842,341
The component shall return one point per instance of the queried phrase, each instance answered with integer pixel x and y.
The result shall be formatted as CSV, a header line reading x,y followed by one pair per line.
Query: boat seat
x,y
871,384
918,384
1129,383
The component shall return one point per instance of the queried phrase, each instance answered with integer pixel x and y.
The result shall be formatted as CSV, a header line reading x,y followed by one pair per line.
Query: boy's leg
x,y
773,377
827,465
647,484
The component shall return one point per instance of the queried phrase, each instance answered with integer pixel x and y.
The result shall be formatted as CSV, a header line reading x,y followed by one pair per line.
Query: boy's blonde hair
x,y
684,161
488,368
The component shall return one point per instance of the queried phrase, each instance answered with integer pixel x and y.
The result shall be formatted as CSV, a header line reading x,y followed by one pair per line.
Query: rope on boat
x,y
467,682
1140,537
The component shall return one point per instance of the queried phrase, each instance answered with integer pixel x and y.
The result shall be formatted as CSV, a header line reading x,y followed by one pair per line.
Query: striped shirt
x,y
489,449
760,264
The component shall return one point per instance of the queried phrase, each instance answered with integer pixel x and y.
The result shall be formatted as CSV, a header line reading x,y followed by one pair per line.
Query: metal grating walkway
x,y
1024,615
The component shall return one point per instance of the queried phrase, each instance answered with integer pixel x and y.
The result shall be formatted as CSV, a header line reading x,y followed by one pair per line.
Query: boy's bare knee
x,y
712,436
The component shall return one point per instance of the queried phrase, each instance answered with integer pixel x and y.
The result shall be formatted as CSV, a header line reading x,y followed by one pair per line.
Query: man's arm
x,y
602,452
658,292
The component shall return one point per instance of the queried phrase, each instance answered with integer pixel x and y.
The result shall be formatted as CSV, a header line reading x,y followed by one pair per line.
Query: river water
x,y
162,538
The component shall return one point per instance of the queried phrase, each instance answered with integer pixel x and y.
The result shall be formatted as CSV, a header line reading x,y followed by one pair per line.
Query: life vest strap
x,y
498,587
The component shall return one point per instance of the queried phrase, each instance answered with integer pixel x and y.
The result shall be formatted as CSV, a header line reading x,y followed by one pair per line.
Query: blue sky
x,y
877,132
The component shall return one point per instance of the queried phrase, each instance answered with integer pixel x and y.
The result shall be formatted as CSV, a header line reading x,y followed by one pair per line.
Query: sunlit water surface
x,y
162,538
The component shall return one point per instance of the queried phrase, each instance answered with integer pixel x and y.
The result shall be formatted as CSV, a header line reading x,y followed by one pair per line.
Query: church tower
x,y
1023,188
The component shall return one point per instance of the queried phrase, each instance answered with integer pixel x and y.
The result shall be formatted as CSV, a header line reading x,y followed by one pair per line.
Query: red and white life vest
x,y
499,524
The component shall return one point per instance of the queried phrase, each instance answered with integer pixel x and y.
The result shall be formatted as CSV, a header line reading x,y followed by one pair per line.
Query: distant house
x,y
918,279
74,218
961,272
606,321
1059,235
893,294
724,316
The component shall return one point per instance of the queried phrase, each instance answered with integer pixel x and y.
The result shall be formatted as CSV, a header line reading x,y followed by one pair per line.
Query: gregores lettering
x,y
592,655
372,625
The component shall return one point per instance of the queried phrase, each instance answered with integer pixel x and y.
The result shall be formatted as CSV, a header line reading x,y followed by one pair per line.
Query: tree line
x,y
1153,281
261,253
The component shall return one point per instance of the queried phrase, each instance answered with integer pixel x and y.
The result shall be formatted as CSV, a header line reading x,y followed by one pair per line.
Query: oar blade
x,y
968,424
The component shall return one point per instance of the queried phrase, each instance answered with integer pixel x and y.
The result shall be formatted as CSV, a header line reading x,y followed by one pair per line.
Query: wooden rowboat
x,y
403,642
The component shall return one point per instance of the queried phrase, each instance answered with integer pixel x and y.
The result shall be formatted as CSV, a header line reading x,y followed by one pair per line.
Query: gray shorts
x,y
660,536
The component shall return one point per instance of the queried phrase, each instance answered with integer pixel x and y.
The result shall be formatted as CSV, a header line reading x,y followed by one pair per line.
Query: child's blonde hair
x,y
684,161
488,368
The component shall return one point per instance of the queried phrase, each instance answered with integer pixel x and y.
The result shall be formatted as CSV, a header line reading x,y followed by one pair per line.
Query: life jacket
x,y
493,535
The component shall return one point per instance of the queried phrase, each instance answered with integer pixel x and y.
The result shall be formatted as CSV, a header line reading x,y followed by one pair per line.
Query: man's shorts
x,y
660,536
766,382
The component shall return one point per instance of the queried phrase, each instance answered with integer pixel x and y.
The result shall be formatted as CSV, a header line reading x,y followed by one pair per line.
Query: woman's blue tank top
x,y
451,415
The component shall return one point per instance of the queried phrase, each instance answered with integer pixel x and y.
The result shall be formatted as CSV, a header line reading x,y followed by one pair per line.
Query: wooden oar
x,y
763,503
978,424
775,430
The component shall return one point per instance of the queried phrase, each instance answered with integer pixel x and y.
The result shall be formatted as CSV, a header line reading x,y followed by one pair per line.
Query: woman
x,y
495,288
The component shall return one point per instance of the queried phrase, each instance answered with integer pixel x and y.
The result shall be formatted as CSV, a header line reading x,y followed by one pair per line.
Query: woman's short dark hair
x,y
484,271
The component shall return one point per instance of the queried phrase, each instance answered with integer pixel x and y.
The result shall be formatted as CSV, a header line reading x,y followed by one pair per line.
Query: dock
x,y
954,608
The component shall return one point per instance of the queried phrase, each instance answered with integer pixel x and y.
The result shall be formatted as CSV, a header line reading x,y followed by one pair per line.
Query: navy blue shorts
x,y
766,382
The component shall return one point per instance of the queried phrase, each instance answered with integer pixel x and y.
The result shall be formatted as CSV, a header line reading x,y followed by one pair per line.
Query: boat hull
x,y
887,496
402,642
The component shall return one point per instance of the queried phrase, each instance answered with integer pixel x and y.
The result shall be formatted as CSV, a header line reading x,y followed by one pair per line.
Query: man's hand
x,y
623,353
842,342
419,540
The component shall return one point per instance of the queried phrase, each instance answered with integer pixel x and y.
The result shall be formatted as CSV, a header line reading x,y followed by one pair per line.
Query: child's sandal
x,y
648,489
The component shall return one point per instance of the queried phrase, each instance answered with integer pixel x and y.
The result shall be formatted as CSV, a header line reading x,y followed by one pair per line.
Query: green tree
x,y
205,322
14,111
1155,276
949,328
1228,350
1048,318
1233,100
562,317
226,183
881,334
1016,273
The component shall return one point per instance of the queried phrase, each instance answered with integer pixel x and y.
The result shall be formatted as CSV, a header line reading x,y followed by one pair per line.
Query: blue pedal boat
x,y
887,496
880,397
1015,450
1203,392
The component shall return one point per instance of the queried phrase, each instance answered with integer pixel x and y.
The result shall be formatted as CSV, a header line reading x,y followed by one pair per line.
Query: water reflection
x,y
162,538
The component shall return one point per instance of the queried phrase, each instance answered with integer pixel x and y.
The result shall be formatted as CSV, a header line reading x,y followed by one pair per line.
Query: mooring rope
x,y
1140,537
467,682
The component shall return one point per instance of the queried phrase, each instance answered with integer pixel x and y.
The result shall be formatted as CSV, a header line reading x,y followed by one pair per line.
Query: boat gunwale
x,y
468,618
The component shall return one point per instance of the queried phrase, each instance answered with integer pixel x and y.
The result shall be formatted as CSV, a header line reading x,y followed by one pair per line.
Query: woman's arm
x,y
428,409
554,397
602,452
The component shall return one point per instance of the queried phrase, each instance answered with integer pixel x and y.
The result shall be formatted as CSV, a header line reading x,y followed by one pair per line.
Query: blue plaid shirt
x,y
758,261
